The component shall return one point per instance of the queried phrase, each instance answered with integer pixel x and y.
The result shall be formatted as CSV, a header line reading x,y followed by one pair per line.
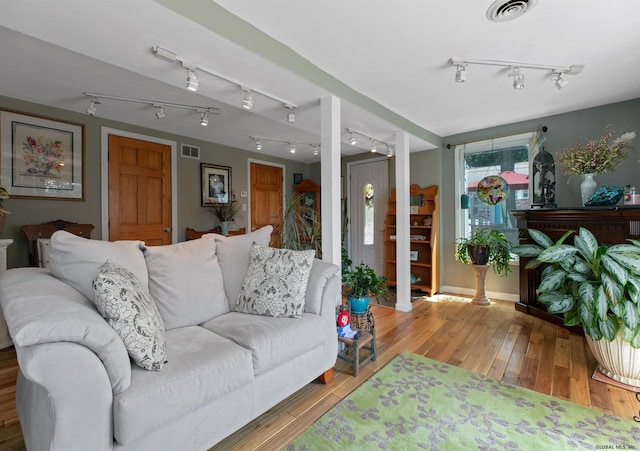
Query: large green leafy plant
x,y
593,285
362,281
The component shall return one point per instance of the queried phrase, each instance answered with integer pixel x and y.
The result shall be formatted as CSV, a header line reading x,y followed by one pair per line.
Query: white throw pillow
x,y
127,306
233,254
185,281
276,282
76,260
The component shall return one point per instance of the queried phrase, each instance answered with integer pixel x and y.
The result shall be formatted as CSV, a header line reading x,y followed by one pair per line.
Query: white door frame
x,y
104,176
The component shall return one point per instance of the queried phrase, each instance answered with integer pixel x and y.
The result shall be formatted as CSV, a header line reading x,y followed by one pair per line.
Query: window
x,y
369,202
507,157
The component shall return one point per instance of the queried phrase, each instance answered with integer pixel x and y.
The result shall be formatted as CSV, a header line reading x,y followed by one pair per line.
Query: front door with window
x,y
369,194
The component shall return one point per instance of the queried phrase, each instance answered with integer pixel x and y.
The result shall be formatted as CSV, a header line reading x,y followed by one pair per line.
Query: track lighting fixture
x,y
204,119
192,80
159,105
160,113
461,73
352,139
247,103
92,108
389,151
293,146
558,73
372,146
518,78
291,115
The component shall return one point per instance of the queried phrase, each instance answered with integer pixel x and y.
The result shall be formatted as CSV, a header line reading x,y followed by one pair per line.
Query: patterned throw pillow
x,y
128,308
275,282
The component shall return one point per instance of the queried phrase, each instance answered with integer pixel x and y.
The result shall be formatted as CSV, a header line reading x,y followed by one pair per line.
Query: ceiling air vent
x,y
503,10
190,151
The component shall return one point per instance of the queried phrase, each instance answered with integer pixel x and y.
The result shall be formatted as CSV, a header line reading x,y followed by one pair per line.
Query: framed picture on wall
x,y
41,157
216,184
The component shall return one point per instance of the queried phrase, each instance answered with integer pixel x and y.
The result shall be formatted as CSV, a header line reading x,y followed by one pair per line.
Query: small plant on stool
x,y
344,326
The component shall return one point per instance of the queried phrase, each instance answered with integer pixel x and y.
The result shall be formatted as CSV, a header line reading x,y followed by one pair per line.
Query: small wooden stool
x,y
367,338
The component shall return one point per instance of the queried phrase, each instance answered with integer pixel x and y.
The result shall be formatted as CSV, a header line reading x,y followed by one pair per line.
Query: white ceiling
x,y
392,57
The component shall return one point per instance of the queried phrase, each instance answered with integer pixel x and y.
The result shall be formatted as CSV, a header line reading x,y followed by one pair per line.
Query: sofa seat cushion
x,y
201,367
272,341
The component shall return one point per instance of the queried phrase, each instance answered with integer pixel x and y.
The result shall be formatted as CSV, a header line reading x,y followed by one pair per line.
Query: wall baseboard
x,y
513,297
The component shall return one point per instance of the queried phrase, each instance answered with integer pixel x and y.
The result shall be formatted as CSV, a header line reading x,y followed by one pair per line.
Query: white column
x,y
5,339
403,266
330,178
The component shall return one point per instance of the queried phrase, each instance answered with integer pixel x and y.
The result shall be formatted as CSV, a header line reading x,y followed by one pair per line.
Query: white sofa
x,y
78,388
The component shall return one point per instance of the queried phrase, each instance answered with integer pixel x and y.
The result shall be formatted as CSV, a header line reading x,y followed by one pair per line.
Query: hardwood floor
x,y
493,340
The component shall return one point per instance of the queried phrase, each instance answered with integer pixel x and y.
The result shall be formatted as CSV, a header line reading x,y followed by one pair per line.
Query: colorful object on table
x,y
492,190
344,326
605,196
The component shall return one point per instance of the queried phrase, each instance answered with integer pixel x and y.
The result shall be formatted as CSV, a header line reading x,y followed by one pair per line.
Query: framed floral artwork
x,y
216,184
41,157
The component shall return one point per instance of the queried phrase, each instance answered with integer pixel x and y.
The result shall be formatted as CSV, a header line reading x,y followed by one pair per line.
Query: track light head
x,y
247,102
389,151
204,119
560,81
518,78
258,144
316,151
192,80
93,106
292,148
160,113
373,147
461,73
352,139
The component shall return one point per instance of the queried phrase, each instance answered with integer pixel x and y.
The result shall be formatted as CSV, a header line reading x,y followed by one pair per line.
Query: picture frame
x,y
41,157
413,256
297,178
216,184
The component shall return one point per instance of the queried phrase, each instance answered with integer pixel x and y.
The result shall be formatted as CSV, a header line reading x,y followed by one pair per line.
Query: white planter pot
x,y
617,360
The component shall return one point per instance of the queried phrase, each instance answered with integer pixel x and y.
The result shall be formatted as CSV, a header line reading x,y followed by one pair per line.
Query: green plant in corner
x,y
592,285
298,231
363,281
485,246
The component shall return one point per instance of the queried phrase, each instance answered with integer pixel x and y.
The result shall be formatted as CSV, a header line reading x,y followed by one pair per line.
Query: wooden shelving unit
x,y
423,231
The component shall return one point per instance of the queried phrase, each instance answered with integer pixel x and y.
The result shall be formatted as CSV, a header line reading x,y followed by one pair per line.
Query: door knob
x,y
166,229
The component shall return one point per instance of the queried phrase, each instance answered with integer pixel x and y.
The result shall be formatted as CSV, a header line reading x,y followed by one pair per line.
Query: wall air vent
x,y
503,10
190,151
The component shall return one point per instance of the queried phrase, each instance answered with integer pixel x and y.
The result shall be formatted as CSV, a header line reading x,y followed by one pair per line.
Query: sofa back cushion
x,y
185,281
233,254
77,260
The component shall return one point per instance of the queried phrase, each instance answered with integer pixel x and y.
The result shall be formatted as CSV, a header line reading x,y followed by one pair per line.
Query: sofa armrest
x,y
323,288
64,398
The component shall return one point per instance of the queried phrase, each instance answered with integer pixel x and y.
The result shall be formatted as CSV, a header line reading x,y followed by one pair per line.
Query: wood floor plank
x,y
494,340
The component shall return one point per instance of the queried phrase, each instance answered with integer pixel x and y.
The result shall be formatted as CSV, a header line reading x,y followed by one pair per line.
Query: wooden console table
x,y
610,225
193,234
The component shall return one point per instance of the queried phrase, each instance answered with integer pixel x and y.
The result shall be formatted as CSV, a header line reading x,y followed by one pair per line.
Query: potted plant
x,y
362,282
597,287
485,246
297,231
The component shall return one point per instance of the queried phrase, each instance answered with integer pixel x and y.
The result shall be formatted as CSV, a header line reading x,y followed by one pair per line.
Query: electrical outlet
x,y
244,207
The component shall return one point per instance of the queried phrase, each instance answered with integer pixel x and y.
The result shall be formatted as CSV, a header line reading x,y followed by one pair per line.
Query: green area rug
x,y
419,403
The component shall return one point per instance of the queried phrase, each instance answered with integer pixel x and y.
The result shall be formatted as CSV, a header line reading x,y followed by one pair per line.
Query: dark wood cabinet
x,y
610,225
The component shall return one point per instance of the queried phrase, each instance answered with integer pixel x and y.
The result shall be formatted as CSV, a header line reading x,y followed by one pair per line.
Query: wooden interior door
x,y
266,197
139,191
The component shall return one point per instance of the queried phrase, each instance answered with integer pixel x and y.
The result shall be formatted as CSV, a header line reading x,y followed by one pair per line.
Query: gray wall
x,y
563,131
190,213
